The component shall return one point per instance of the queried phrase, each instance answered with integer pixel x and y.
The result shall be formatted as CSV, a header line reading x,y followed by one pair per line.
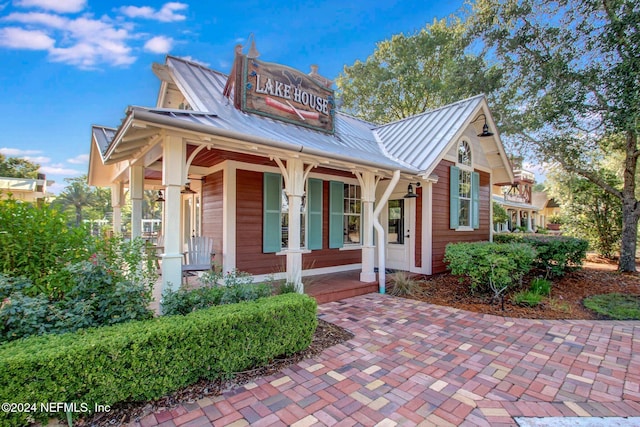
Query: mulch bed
x,y
326,335
567,293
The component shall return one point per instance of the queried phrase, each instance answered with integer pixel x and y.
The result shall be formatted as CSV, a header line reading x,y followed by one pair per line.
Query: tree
x,y
500,214
589,211
408,75
14,167
575,67
77,195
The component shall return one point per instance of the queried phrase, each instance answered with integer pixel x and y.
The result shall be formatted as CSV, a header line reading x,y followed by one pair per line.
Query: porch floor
x,y
337,286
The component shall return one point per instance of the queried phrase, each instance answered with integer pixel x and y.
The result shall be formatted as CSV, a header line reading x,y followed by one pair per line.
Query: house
x,y
26,189
261,161
520,202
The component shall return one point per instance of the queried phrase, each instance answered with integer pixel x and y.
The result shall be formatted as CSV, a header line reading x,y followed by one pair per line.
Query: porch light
x,y
253,52
187,189
485,128
160,198
410,194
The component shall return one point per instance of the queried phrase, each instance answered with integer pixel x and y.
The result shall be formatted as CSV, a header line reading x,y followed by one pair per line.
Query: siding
x,y
212,187
418,231
249,256
442,234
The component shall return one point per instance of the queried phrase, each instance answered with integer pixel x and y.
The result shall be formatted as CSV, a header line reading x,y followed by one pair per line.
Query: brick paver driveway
x,y
413,363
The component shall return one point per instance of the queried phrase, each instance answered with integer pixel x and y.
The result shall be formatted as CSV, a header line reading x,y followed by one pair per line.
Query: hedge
x,y
144,360
556,254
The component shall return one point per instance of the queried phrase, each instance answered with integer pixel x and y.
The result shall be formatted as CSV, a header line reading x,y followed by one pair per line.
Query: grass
x,y
529,298
615,306
404,284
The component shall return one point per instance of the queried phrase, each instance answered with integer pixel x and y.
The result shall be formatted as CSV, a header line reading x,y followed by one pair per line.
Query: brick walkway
x,y
413,363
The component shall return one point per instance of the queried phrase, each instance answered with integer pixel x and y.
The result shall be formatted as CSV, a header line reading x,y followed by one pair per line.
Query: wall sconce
x,y
187,189
160,198
485,128
410,194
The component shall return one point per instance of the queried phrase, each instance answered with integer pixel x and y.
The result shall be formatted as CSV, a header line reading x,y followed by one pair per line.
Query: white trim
x,y
465,228
427,228
301,251
350,247
228,216
309,272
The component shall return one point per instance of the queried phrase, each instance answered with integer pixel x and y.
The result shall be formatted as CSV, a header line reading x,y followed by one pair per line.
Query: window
x,y
464,191
395,228
352,212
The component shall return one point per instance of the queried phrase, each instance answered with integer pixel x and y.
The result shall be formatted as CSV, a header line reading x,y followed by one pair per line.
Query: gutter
x,y
137,113
376,224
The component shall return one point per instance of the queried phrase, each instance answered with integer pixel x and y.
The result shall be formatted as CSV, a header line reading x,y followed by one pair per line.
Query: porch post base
x,y
171,272
367,277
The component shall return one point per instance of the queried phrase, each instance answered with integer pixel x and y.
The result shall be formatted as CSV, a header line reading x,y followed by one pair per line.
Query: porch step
x,y
330,295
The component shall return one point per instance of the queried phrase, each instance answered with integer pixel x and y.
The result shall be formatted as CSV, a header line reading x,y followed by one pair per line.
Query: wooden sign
x,y
286,94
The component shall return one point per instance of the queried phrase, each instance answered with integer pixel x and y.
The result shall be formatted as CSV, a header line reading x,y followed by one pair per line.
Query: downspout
x,y
376,224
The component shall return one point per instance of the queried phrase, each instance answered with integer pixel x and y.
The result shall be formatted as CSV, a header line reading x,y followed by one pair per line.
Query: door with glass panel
x,y
399,234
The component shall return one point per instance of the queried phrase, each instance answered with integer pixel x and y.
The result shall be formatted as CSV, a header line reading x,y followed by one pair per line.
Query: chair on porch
x,y
199,256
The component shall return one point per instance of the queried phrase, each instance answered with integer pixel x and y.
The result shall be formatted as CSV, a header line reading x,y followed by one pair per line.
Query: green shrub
x,y
529,298
36,242
219,288
615,306
540,286
556,254
145,360
490,266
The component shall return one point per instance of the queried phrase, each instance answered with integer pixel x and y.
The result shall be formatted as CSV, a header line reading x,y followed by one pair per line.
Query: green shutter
x,y
475,200
336,214
314,213
272,205
454,197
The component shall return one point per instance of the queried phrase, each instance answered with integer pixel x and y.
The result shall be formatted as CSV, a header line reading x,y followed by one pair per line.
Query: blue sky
x,y
69,64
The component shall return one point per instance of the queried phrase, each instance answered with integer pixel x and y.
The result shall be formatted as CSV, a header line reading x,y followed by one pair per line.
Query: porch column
x,y
136,188
368,184
117,199
294,188
173,163
529,215
519,218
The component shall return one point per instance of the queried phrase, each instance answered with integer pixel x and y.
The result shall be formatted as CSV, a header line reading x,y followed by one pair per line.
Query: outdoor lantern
x,y
159,198
253,52
410,194
187,189
485,128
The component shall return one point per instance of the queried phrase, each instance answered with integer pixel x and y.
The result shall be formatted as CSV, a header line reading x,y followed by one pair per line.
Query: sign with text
x,y
282,93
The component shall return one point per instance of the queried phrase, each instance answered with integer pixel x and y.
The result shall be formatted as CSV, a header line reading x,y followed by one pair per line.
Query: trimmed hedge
x,y
145,360
556,254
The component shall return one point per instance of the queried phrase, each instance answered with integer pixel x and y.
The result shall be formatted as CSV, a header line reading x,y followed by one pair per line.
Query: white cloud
x,y
81,159
168,12
59,170
17,152
87,41
60,6
18,38
159,44
37,159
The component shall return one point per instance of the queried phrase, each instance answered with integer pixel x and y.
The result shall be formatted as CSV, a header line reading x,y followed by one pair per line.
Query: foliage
x,y
36,243
590,212
575,66
541,286
14,167
77,195
615,306
500,214
233,287
410,74
147,359
286,288
555,254
555,219
529,298
490,266
404,284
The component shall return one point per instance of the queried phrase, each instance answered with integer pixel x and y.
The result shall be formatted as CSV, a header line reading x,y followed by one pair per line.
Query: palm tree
x,y
78,195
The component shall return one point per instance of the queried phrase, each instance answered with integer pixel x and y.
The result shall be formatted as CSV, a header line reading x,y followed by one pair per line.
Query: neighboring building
x,y
26,189
263,163
517,199
547,208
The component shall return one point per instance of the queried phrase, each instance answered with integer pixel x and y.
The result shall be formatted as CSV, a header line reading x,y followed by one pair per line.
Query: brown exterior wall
x,y
442,234
249,256
212,187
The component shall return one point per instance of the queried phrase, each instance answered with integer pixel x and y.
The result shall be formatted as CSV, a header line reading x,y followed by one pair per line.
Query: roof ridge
x,y
197,64
453,104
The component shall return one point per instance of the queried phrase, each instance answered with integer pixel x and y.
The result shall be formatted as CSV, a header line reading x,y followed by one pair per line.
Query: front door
x,y
399,235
